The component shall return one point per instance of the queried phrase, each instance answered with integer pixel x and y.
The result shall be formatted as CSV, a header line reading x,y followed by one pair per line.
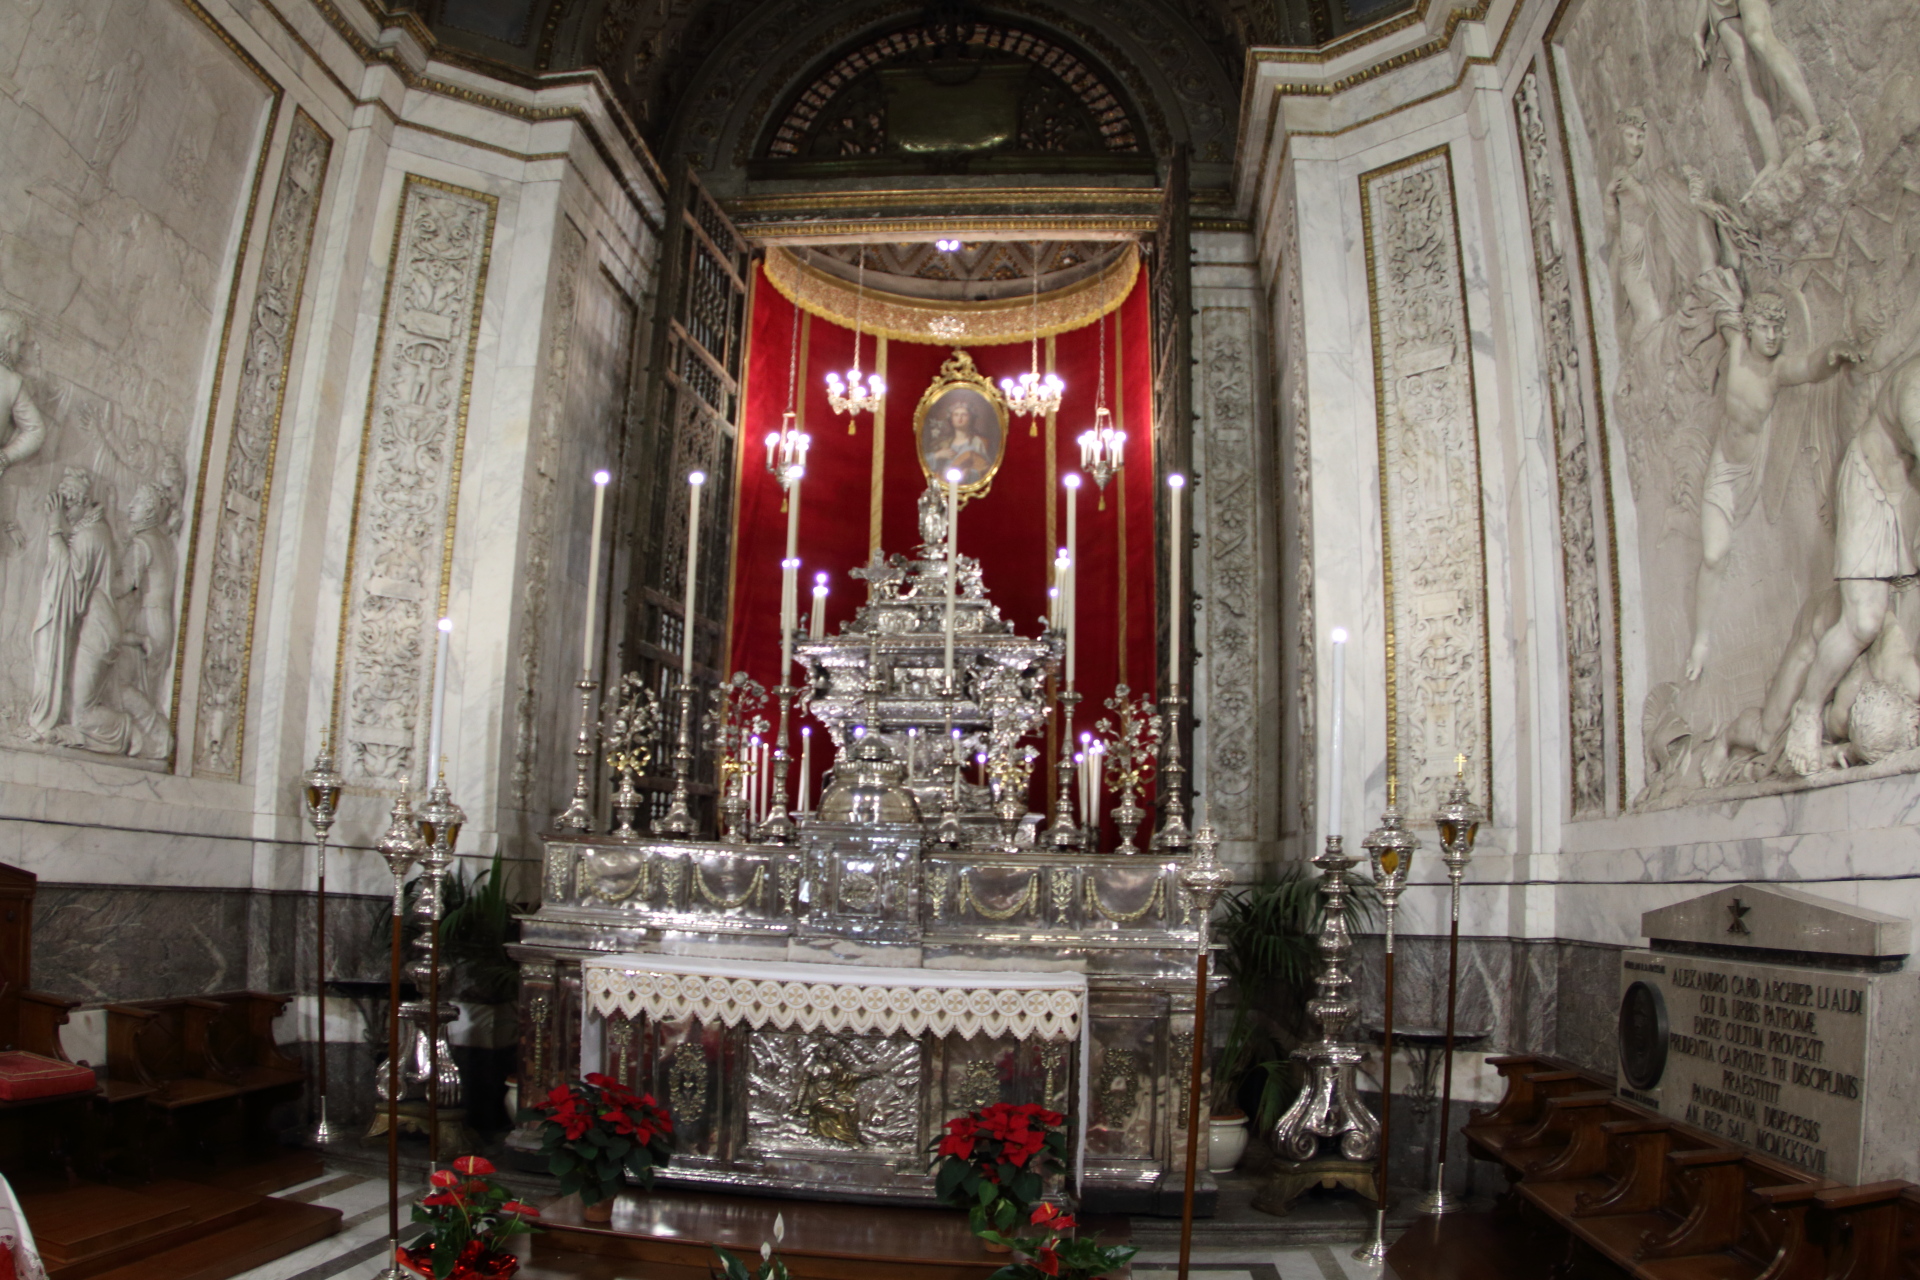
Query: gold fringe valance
x,y
904,319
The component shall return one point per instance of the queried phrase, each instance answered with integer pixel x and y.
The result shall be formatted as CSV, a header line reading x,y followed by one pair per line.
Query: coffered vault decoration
x,y
408,488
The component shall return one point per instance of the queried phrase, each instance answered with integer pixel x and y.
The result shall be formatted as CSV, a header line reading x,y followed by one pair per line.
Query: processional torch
x,y
1205,880
401,847
320,787
1459,821
1390,847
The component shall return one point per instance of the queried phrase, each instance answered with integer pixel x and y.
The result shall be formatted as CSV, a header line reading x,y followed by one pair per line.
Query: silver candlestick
x,y
777,827
1173,835
1391,847
321,789
1459,821
578,815
1065,832
431,1057
679,820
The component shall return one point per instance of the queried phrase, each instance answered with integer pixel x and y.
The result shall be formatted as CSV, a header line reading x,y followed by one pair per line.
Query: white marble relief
x,y
233,566
1757,228
409,461
1429,478
1293,383
131,139
1574,454
1232,569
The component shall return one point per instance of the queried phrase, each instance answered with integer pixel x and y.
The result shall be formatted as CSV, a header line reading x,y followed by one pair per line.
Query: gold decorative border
x,y
276,94
958,371
1367,179
892,315
298,296
492,203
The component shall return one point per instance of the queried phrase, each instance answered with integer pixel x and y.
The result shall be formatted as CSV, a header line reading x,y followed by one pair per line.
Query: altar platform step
x,y
674,1233
169,1230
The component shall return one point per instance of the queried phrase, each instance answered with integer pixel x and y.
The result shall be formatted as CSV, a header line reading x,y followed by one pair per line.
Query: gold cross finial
x,y
1460,765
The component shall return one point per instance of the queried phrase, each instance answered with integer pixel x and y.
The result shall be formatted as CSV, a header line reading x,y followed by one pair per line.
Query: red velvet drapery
x,y
1012,530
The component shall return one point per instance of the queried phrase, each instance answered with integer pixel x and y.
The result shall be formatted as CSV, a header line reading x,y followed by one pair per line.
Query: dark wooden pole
x,y
1195,1079
393,1089
1446,1069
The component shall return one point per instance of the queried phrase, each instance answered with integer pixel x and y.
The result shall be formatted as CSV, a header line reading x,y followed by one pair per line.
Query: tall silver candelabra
x,y
1065,832
778,827
429,1072
679,819
578,815
1329,1109
320,787
1173,834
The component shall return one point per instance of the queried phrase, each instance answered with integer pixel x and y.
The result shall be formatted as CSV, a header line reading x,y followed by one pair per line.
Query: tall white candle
x,y
953,563
1176,611
600,479
766,780
819,628
1339,665
697,479
1070,593
806,767
439,695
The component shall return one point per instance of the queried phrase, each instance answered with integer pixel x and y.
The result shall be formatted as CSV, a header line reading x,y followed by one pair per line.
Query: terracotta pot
x,y
1226,1141
991,1247
598,1211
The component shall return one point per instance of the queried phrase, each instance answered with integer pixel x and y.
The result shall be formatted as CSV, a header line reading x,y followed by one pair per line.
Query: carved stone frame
x,y
956,373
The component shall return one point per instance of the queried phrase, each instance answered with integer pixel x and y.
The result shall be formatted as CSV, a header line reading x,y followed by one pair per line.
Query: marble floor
x,y
358,1252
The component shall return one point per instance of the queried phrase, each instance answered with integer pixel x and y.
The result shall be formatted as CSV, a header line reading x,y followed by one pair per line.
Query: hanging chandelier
x,y
787,451
856,393
1102,446
1032,394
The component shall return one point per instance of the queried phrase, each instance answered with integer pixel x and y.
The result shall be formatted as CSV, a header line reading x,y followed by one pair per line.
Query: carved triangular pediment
x,y
1771,917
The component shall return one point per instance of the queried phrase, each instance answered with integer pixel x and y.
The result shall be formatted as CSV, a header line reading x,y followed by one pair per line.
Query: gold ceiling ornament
x,y
904,319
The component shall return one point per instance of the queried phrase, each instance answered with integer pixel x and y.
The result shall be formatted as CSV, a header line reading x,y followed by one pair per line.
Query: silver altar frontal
x,y
813,1011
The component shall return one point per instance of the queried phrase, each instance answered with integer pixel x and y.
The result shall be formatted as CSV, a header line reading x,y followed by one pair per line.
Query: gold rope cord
x,y
1029,898
1125,917
750,893
893,315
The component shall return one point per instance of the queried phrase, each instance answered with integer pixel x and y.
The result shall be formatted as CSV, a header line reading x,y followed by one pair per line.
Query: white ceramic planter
x,y
1226,1142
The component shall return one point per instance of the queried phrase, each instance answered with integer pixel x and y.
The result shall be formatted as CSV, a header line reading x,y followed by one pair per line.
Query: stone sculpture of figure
x,y
1872,545
22,429
1659,234
1745,27
1755,373
75,633
145,588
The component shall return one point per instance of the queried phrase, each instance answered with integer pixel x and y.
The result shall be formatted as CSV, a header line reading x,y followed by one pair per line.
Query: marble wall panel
x,y
234,559
1434,559
407,492
1746,202
134,140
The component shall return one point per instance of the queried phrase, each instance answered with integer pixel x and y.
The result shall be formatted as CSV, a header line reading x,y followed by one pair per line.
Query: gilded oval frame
x,y
958,376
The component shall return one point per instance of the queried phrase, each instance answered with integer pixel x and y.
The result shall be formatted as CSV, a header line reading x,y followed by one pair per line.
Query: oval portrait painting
x,y
961,424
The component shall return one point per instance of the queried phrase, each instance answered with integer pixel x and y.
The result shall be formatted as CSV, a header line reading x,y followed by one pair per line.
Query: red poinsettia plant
x,y
1055,1253
995,1162
595,1132
469,1218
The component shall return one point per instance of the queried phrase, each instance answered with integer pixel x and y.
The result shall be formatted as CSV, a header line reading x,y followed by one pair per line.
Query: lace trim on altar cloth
x,y
1047,1013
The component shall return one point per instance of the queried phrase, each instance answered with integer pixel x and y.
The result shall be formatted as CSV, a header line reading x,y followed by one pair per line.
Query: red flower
x,y
439,1198
517,1207
1047,1261
1050,1217
474,1165
600,1081
955,1144
443,1177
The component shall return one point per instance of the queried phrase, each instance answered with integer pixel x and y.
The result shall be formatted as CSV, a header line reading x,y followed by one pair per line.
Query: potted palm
x,y
595,1133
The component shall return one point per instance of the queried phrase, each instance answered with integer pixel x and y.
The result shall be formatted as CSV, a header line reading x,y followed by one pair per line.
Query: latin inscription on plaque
x,y
1771,1057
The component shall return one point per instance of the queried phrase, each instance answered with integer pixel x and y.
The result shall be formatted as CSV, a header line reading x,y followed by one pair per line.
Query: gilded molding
x,y
415,435
891,315
226,659
1428,434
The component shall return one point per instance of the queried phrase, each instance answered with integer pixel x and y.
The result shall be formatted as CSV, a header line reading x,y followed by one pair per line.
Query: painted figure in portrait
x,y
961,424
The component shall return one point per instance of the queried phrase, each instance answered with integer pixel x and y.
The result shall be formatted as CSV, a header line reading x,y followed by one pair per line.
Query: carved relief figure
x,y
145,588
1658,237
1744,28
1755,373
76,632
22,429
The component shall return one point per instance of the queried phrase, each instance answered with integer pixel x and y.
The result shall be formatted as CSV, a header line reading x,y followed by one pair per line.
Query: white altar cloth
x,y
872,1000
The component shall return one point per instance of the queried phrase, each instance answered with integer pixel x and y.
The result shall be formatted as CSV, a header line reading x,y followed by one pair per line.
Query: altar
x,y
814,995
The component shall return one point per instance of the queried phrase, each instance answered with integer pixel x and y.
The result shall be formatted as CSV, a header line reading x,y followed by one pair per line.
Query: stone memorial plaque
x,y
1800,1061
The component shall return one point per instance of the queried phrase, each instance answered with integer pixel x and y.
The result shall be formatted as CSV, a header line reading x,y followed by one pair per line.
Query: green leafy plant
x,y
476,923
995,1162
1055,1253
468,1217
771,1268
596,1132
1268,945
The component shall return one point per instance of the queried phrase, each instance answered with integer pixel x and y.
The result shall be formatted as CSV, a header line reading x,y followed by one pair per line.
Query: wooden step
x,y
99,1228
277,1172
276,1229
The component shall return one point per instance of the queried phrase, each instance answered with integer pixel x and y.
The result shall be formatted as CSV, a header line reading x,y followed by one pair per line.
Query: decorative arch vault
x,y
974,86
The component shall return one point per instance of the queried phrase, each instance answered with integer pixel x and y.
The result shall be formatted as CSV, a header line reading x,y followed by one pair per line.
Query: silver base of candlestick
x,y
1374,1252
1437,1201
323,1132
679,819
